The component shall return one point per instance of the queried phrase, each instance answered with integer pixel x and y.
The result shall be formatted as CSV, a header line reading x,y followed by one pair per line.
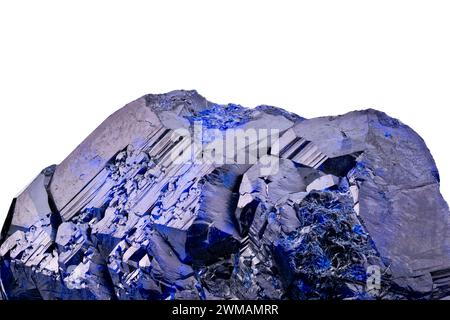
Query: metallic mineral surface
x,y
175,197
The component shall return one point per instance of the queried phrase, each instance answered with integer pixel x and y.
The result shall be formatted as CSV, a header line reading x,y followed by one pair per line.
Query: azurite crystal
x,y
120,219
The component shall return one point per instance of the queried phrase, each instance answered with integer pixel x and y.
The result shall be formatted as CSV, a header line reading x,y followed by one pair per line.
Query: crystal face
x,y
175,197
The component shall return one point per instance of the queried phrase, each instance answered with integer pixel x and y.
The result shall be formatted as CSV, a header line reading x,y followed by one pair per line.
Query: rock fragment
x,y
175,197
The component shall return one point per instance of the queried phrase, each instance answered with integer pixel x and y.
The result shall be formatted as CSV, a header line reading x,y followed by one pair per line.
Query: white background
x,y
65,66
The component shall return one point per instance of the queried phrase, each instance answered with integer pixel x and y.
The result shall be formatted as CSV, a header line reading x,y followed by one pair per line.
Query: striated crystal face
x,y
175,197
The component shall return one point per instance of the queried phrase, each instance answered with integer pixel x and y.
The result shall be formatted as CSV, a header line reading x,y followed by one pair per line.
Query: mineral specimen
x,y
175,197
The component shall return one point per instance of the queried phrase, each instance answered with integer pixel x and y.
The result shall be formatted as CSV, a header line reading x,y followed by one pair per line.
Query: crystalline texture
x,y
120,218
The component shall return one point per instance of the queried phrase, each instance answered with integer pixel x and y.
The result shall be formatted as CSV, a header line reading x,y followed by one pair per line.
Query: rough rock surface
x,y
353,211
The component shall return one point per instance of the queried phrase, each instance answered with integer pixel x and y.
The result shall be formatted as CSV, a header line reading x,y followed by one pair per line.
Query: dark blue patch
x,y
222,117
